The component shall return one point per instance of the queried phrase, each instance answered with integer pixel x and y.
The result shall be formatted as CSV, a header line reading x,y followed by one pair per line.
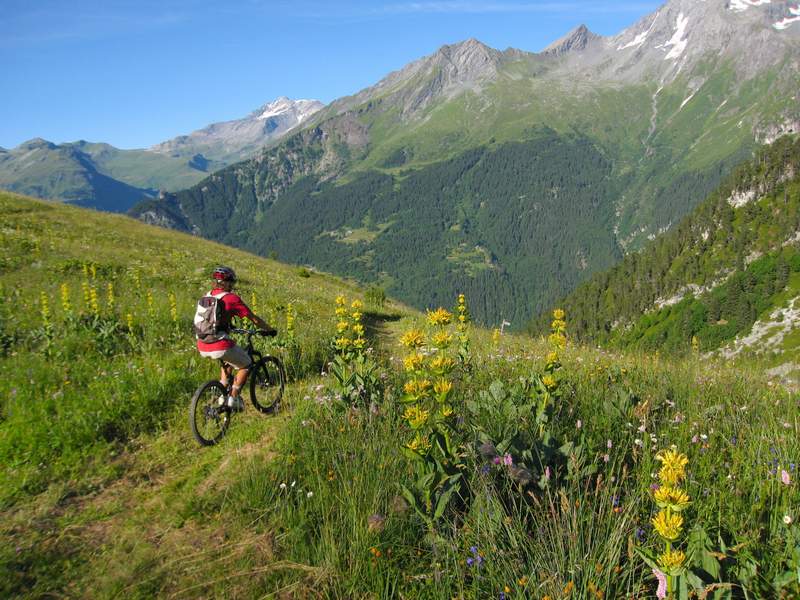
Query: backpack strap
x,y
227,319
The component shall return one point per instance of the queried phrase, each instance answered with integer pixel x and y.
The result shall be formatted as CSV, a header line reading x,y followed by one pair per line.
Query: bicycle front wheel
x,y
267,380
209,415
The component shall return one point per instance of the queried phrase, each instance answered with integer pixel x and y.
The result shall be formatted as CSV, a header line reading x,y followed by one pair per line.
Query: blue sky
x,y
136,72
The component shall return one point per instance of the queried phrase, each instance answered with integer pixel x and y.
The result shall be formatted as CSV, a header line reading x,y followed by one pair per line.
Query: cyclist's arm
x,y
260,323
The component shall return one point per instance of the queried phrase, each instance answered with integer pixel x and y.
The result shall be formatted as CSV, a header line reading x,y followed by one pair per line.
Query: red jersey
x,y
234,307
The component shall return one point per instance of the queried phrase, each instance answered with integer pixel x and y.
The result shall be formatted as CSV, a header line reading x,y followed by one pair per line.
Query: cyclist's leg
x,y
226,371
238,358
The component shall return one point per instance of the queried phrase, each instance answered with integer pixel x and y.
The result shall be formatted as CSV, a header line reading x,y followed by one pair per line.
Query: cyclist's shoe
x,y
221,401
235,404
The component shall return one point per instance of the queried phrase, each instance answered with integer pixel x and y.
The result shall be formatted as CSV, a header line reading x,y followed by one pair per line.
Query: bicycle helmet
x,y
224,274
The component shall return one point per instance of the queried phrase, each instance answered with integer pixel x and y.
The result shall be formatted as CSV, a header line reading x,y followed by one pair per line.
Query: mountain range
x,y
101,176
513,175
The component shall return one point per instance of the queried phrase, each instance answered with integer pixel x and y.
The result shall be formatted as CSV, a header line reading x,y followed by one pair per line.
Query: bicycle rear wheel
x,y
208,418
267,380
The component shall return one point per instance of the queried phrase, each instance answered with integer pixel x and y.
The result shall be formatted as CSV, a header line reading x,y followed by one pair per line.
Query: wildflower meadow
x,y
417,454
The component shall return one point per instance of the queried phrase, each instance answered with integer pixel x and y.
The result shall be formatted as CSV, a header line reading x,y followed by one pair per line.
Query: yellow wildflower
x,y
342,326
552,359
340,300
93,302
558,339
356,316
358,329
671,560
45,309
65,305
550,382
671,497
342,343
129,321
442,364
442,387
416,416
341,312
446,410
439,317
496,336
110,295
419,444
559,314
673,467
412,339
668,525
357,305
442,339
359,343
413,362
417,387
150,306
173,308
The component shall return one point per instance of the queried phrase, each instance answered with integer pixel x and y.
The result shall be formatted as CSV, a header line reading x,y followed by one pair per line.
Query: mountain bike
x,y
209,413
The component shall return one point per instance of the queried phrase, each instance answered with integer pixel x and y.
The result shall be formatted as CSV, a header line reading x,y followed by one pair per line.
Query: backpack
x,y
210,320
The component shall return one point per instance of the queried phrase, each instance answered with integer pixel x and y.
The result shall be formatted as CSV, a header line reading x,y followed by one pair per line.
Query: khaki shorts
x,y
235,356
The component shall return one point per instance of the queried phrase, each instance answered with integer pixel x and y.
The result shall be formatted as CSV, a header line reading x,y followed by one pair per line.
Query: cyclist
x,y
233,355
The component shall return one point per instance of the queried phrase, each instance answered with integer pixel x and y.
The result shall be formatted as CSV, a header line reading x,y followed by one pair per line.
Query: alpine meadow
x,y
537,317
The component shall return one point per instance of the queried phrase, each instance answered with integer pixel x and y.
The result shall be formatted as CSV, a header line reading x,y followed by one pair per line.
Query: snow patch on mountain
x,y
641,38
678,41
302,109
787,21
685,102
743,5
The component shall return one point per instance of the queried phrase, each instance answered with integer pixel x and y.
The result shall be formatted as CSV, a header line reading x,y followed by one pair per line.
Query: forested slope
x,y
513,225
713,275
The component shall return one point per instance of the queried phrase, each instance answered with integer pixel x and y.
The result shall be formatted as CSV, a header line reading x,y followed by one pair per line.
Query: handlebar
x,y
248,332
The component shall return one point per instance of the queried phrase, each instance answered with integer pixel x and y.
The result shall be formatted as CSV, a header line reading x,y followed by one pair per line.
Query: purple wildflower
x,y
507,460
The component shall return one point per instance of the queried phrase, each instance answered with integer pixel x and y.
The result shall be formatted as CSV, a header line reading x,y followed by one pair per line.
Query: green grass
x,y
104,493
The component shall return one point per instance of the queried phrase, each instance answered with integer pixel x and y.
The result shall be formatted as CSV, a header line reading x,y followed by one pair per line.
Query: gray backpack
x,y
210,321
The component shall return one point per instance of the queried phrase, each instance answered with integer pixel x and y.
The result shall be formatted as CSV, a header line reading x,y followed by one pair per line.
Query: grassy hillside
x,y
526,472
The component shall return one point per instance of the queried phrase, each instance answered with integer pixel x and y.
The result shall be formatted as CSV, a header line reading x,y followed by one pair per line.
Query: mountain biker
x,y
233,355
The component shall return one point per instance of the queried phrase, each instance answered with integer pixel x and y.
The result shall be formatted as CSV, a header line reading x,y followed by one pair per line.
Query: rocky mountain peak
x,y
36,143
469,59
299,110
575,41
233,140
